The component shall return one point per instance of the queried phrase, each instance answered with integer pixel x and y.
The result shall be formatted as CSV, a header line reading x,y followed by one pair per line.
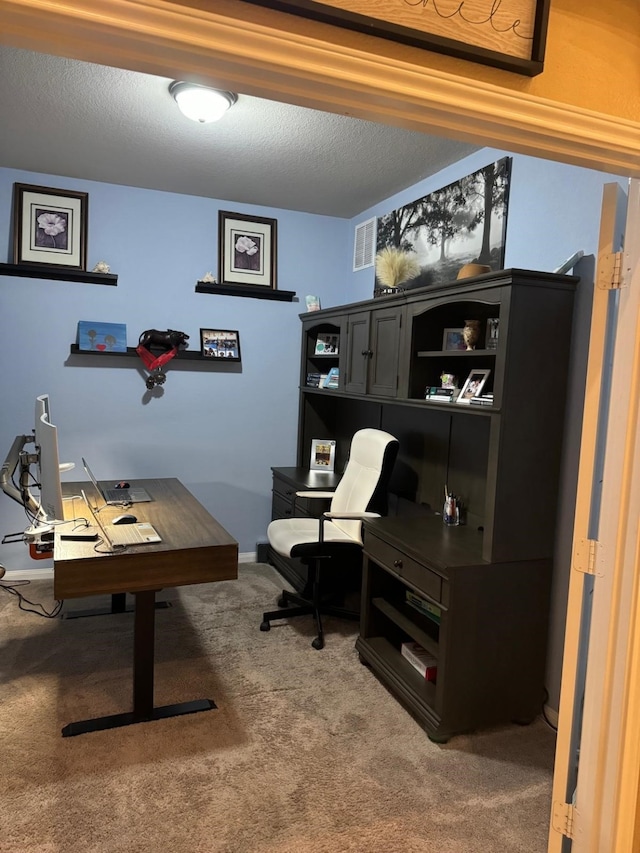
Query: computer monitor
x,y
46,433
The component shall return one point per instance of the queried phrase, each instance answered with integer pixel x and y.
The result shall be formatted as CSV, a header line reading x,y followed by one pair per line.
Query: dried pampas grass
x,y
393,266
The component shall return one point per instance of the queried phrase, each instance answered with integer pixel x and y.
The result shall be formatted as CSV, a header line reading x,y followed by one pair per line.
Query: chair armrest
x,y
352,515
346,515
314,494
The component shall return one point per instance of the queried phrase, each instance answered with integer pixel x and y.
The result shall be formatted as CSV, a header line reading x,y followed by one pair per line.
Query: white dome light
x,y
200,103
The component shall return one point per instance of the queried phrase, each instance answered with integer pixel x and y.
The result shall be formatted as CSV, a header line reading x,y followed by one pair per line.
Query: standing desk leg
x,y
143,655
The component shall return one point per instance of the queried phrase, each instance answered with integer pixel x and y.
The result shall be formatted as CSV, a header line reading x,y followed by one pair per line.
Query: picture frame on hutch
x,y
247,250
50,227
323,453
473,385
220,343
452,340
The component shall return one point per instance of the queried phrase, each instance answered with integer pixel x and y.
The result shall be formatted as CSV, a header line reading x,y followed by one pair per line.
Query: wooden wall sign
x,y
508,34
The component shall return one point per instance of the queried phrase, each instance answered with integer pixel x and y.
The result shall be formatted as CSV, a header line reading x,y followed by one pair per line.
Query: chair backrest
x,y
363,486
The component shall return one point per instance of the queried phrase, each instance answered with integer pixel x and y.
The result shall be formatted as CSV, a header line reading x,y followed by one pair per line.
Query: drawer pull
x,y
397,564
289,492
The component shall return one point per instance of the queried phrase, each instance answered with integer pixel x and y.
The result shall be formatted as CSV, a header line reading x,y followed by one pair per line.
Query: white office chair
x,y
337,535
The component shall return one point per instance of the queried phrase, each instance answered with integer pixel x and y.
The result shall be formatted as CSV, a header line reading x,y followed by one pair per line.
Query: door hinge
x,y
585,556
611,270
563,818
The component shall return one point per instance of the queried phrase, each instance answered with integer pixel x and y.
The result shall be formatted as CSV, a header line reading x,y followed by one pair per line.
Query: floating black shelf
x,y
58,274
250,290
181,355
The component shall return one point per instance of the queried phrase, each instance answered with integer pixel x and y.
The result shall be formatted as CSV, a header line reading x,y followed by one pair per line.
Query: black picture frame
x,y
247,250
517,35
50,227
221,344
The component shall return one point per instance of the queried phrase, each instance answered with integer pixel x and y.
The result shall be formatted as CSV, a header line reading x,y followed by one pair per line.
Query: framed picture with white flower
x,y
49,227
247,250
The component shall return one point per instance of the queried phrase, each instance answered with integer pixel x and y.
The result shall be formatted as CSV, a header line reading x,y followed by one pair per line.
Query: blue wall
x,y
219,432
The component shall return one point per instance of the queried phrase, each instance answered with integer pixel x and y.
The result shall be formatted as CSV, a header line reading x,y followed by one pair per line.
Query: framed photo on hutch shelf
x,y
473,385
323,454
452,339
49,227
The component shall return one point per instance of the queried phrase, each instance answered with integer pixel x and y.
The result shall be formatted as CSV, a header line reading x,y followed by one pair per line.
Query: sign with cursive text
x,y
508,34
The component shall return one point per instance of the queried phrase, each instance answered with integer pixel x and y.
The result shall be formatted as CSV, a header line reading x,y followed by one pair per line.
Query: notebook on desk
x,y
117,496
139,533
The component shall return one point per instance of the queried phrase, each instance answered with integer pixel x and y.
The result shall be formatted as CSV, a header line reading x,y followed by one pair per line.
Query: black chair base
x,y
305,607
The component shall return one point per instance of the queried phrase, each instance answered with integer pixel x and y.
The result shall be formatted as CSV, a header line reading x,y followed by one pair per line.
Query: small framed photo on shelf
x,y
473,386
49,227
246,249
452,339
220,343
327,344
323,453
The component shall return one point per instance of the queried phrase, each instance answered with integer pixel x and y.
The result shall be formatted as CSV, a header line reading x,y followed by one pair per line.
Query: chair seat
x,y
285,534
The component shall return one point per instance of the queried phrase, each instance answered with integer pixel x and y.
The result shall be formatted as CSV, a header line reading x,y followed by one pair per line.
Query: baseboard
x,y
46,572
551,715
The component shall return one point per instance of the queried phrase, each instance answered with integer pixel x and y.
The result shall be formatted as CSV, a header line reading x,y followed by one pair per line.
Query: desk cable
x,y
11,588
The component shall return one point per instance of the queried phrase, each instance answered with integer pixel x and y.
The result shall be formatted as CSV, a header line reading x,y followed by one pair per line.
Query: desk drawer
x,y
399,564
281,508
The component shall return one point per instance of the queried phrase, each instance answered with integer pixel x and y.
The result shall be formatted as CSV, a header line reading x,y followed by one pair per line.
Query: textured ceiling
x,y
77,119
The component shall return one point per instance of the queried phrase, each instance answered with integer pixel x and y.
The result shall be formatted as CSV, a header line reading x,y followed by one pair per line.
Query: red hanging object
x,y
169,339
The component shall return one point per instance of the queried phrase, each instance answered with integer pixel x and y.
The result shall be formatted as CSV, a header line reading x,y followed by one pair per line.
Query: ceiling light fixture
x,y
201,103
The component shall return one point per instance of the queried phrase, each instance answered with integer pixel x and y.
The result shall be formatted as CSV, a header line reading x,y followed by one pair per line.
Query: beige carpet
x,y
306,753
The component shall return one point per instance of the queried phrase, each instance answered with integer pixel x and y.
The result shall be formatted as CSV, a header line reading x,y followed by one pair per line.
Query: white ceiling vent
x,y
364,245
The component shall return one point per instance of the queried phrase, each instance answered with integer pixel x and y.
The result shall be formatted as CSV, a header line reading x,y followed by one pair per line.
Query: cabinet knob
x,y
397,564
289,492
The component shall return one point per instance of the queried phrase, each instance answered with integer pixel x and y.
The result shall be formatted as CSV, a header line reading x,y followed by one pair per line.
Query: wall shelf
x,y
58,274
182,355
250,290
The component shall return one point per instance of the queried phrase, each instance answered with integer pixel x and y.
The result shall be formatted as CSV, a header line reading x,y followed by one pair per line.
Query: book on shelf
x,y
422,606
440,395
420,659
482,400
313,380
333,378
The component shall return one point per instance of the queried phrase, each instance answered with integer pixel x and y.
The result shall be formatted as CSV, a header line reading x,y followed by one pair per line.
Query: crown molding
x,y
168,39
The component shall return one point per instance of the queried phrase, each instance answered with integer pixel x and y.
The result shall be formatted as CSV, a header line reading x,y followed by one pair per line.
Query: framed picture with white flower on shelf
x,y
247,250
49,227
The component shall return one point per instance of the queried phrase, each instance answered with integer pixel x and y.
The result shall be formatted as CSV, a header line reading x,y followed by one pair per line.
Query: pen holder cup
x,y
451,512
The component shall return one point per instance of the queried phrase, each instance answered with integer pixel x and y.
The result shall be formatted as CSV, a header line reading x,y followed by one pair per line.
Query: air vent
x,y
364,245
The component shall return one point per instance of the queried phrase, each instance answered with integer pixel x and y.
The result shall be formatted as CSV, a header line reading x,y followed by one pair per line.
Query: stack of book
x,y
313,380
422,606
482,400
420,659
440,395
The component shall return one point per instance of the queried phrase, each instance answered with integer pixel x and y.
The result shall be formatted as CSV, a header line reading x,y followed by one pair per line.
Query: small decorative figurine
x,y
101,266
208,278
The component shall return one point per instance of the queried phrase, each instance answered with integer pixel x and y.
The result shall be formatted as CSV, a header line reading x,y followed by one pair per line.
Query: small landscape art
x,y
102,337
463,222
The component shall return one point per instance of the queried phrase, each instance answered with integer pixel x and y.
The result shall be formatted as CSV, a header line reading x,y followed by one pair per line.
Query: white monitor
x,y
51,506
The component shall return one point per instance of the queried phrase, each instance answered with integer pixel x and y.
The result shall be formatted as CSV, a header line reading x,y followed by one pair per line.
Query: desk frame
x,y
195,548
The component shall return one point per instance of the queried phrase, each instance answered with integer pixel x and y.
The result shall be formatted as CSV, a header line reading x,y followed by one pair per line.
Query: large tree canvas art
x,y
464,222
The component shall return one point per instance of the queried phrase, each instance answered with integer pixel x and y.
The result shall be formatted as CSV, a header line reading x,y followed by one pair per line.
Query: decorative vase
x,y
471,333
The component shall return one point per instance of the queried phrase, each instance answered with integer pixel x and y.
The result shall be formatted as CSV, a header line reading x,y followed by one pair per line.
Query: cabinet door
x,y
385,331
357,364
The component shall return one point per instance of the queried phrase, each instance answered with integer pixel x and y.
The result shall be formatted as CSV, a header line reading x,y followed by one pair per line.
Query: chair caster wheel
x,y
318,643
265,626
282,601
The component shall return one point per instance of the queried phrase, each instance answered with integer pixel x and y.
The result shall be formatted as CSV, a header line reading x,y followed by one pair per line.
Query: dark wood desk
x,y
195,548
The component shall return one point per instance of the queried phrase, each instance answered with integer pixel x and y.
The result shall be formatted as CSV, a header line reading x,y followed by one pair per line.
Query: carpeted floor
x,y
306,753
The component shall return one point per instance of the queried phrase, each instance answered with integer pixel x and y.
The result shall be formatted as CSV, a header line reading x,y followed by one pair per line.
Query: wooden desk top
x,y
195,548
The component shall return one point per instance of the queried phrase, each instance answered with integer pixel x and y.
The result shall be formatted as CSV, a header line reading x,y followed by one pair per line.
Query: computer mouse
x,y
124,519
